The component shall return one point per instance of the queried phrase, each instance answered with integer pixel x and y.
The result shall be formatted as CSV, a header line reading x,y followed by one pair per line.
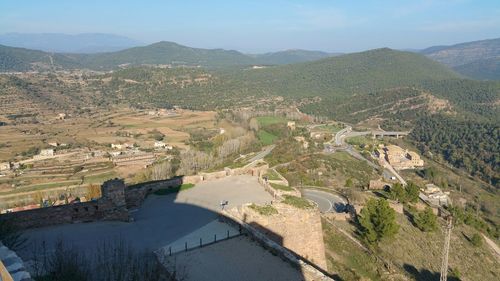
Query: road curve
x,y
327,202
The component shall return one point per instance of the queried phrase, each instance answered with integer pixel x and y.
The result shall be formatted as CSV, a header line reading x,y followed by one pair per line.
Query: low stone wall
x,y
112,206
135,194
71,213
214,175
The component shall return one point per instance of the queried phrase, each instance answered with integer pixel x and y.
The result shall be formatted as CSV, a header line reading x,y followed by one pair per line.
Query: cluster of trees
x,y
404,194
470,145
470,217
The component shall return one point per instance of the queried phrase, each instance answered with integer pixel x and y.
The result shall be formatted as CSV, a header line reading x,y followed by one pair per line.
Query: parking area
x,y
161,220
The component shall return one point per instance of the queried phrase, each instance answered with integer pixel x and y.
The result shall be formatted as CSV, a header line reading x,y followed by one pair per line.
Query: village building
x,y
120,146
300,139
47,152
5,166
400,158
222,131
291,125
435,195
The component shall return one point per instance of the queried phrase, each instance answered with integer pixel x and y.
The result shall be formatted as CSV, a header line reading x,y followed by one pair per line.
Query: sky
x,y
260,26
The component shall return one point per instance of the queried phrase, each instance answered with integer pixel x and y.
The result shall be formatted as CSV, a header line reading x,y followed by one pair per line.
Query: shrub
x,y
476,240
267,210
297,202
426,220
377,221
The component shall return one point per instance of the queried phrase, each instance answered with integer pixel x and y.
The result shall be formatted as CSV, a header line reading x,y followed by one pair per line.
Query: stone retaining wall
x,y
111,206
309,270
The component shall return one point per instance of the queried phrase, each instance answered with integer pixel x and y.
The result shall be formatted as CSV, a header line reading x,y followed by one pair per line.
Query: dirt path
x,y
492,245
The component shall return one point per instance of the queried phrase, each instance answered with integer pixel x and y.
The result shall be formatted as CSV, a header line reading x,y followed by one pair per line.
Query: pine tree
x,y
377,221
426,220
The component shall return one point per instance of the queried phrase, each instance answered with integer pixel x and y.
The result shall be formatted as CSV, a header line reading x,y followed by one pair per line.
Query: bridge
x,y
380,133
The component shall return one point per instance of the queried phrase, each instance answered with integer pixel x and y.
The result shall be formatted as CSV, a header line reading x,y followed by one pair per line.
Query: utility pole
x,y
446,248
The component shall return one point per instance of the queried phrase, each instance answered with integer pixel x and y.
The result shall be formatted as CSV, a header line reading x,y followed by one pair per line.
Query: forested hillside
x,y
345,75
478,59
471,145
291,56
19,59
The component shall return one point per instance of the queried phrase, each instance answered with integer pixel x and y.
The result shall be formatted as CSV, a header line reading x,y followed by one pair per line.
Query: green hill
x,y
20,59
166,53
347,74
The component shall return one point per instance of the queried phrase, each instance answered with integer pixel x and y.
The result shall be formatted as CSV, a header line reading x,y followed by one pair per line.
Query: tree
x,y
397,192
412,192
348,182
253,125
404,194
426,220
378,221
476,240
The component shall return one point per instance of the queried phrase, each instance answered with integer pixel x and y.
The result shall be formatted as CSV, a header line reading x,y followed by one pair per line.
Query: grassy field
x,y
297,202
272,175
266,138
270,120
267,210
281,187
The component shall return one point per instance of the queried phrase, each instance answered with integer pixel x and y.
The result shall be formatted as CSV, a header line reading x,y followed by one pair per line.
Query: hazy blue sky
x,y
257,26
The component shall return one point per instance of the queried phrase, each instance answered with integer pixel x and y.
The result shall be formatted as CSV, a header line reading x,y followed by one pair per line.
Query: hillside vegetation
x,y
478,59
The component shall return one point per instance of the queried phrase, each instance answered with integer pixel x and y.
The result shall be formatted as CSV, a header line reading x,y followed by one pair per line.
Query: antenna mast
x,y
446,249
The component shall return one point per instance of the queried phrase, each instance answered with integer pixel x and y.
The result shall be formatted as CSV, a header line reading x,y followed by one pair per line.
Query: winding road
x,y
327,202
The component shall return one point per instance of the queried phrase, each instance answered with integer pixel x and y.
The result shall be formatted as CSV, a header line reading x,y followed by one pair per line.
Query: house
x,y
61,116
120,146
159,144
222,131
115,153
5,166
291,125
47,152
54,144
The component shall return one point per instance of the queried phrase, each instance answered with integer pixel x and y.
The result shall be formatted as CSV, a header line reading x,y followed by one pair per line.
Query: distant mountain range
x,y
161,53
65,43
477,59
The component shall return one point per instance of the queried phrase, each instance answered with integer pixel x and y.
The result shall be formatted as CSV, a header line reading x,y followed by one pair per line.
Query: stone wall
x,y
135,194
299,230
109,207
310,270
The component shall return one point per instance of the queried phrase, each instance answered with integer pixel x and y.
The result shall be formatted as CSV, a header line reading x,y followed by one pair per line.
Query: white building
x,y
47,152
5,166
159,144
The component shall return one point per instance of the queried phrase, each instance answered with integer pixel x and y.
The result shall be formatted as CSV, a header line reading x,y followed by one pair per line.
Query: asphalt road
x,y
327,202
262,154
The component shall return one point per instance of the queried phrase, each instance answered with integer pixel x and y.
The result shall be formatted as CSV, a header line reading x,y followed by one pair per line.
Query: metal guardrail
x,y
201,244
